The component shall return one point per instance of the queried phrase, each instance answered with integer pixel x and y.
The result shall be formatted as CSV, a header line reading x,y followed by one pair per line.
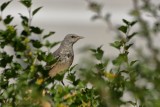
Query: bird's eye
x,y
72,36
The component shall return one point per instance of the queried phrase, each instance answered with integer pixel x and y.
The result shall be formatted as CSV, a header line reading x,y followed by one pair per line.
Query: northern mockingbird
x,y
64,55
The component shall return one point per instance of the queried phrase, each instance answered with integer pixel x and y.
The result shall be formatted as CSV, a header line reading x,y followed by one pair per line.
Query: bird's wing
x,y
56,54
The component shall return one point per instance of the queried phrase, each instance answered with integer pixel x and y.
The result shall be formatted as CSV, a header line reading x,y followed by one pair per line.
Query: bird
x,y
64,55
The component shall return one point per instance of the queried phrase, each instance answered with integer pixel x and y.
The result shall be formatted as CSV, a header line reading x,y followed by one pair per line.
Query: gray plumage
x,y
64,54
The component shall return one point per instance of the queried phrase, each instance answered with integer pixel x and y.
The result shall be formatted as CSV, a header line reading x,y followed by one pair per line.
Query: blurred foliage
x,y
24,80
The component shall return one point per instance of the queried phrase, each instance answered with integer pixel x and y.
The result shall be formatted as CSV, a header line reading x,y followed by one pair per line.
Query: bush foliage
x,y
24,80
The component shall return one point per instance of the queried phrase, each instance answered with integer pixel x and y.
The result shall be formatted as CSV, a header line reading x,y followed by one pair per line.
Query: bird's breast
x,y
68,57
64,62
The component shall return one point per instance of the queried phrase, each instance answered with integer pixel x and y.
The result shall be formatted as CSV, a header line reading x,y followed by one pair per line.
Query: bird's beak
x,y
80,37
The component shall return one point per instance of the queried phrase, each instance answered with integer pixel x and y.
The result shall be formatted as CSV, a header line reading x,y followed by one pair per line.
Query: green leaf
x,y
71,76
36,10
133,23
71,68
116,44
133,62
18,45
132,103
126,22
128,46
36,43
54,44
50,45
100,67
47,44
42,70
16,66
50,33
0,18
123,29
50,57
107,17
99,53
95,7
132,35
8,19
5,59
134,12
9,34
36,30
4,5
76,82
9,74
3,44
95,17
25,33
19,54
41,56
120,59
60,76
93,50
26,3
23,17
25,20
4,85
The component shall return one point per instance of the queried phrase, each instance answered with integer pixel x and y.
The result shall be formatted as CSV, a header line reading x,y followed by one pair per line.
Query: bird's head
x,y
70,39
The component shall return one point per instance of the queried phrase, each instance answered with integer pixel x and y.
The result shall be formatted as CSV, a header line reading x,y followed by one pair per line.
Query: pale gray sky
x,y
73,16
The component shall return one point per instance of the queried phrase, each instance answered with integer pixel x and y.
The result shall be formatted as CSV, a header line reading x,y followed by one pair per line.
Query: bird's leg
x,y
62,82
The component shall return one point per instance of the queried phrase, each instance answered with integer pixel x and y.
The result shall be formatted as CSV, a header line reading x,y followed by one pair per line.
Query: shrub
x,y
24,75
